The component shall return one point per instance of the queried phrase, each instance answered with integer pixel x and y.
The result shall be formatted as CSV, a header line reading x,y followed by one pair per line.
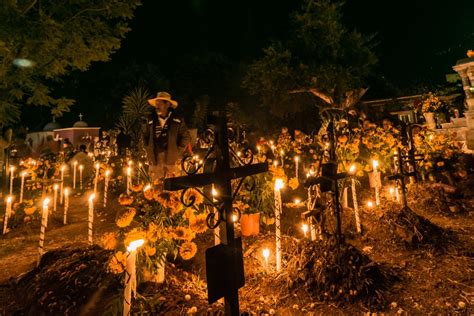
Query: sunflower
x,y
109,241
198,223
117,262
182,233
187,250
169,200
153,232
193,194
125,217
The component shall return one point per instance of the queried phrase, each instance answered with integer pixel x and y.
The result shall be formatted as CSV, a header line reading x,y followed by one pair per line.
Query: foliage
x,y
429,103
322,55
42,41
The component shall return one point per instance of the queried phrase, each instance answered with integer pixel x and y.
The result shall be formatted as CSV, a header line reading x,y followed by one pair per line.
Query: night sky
x,y
418,41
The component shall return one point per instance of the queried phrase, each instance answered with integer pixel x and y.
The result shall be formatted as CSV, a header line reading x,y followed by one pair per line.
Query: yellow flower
x,y
169,200
109,241
134,234
150,251
153,232
117,262
125,217
182,233
187,250
198,223
293,183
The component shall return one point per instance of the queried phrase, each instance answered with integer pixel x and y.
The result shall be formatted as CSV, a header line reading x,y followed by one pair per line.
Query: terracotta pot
x,y
250,224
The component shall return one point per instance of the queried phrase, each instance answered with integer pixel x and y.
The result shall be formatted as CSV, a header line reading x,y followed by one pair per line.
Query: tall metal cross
x,y
224,262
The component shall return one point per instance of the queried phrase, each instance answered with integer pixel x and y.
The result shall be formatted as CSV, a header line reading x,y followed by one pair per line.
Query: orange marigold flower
x,y
134,234
29,210
293,183
169,200
153,232
148,194
109,241
198,223
125,200
187,250
125,217
137,187
117,262
182,233
150,251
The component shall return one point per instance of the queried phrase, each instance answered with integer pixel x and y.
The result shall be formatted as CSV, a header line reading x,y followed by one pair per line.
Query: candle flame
x,y
97,165
81,167
92,197
214,192
24,173
275,163
279,184
75,163
12,168
132,246
9,199
66,191
45,202
266,253
297,201
305,228
370,204
234,218
129,171
107,172
297,158
56,187
375,163
147,187
63,168
352,169
130,163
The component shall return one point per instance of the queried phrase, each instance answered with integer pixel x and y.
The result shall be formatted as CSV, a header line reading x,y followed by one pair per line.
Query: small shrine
x,y
79,133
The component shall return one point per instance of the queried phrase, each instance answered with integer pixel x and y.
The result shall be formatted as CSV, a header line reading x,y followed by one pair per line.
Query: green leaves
x,y
58,37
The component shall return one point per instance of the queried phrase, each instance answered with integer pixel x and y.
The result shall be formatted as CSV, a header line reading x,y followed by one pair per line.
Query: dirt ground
x,y
436,278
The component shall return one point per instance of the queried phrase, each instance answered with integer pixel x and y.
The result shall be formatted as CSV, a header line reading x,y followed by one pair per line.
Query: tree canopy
x,y
42,41
321,55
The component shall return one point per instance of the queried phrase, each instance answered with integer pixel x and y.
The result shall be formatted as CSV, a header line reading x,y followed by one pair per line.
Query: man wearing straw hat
x,y
166,137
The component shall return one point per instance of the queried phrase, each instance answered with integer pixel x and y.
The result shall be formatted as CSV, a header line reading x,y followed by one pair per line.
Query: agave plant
x,y
135,110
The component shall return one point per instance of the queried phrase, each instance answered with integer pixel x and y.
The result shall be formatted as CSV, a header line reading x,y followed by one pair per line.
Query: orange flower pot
x,y
250,224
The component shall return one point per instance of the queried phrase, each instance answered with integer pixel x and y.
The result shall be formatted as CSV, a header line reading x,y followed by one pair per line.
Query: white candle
x,y
278,185
352,171
61,189
66,205
91,217
55,197
8,211
392,193
130,275
12,173
96,180
397,194
297,161
106,186
74,175
44,224
375,163
22,187
129,179
81,167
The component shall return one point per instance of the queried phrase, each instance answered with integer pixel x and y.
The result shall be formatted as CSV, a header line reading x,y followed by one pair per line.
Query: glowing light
x,y
304,228
81,167
45,202
97,165
23,62
352,169
147,187
9,199
56,187
129,171
66,192
91,197
239,154
63,168
370,204
375,164
75,163
214,192
279,184
134,245
297,201
259,148
234,218
24,173
275,163
12,168
130,163
107,172
266,253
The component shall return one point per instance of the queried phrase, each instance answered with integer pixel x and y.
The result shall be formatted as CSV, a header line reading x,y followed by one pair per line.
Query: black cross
x,y
227,260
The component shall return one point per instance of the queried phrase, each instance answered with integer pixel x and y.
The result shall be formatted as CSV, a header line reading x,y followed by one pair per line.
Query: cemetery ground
x,y
423,266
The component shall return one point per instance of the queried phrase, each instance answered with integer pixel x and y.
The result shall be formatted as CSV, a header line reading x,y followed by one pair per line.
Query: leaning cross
x,y
224,262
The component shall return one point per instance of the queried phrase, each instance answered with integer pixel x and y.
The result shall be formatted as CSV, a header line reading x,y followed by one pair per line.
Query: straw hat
x,y
163,96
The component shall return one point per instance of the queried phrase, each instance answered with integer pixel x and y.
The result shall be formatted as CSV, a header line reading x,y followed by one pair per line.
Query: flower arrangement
x,y
429,103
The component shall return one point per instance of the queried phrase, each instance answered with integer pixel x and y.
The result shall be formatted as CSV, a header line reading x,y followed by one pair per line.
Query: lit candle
x,y
130,275
106,186
44,224
12,173
74,175
370,204
91,217
266,255
397,194
392,193
375,163
297,160
96,180
61,189
297,201
352,172
129,179
66,205
55,197
22,186
305,228
8,211
278,185
81,167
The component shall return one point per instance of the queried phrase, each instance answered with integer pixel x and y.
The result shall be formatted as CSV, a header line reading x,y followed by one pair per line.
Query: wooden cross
x,y
224,262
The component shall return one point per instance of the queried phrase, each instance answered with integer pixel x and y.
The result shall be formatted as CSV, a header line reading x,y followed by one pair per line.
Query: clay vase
x,y
250,224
